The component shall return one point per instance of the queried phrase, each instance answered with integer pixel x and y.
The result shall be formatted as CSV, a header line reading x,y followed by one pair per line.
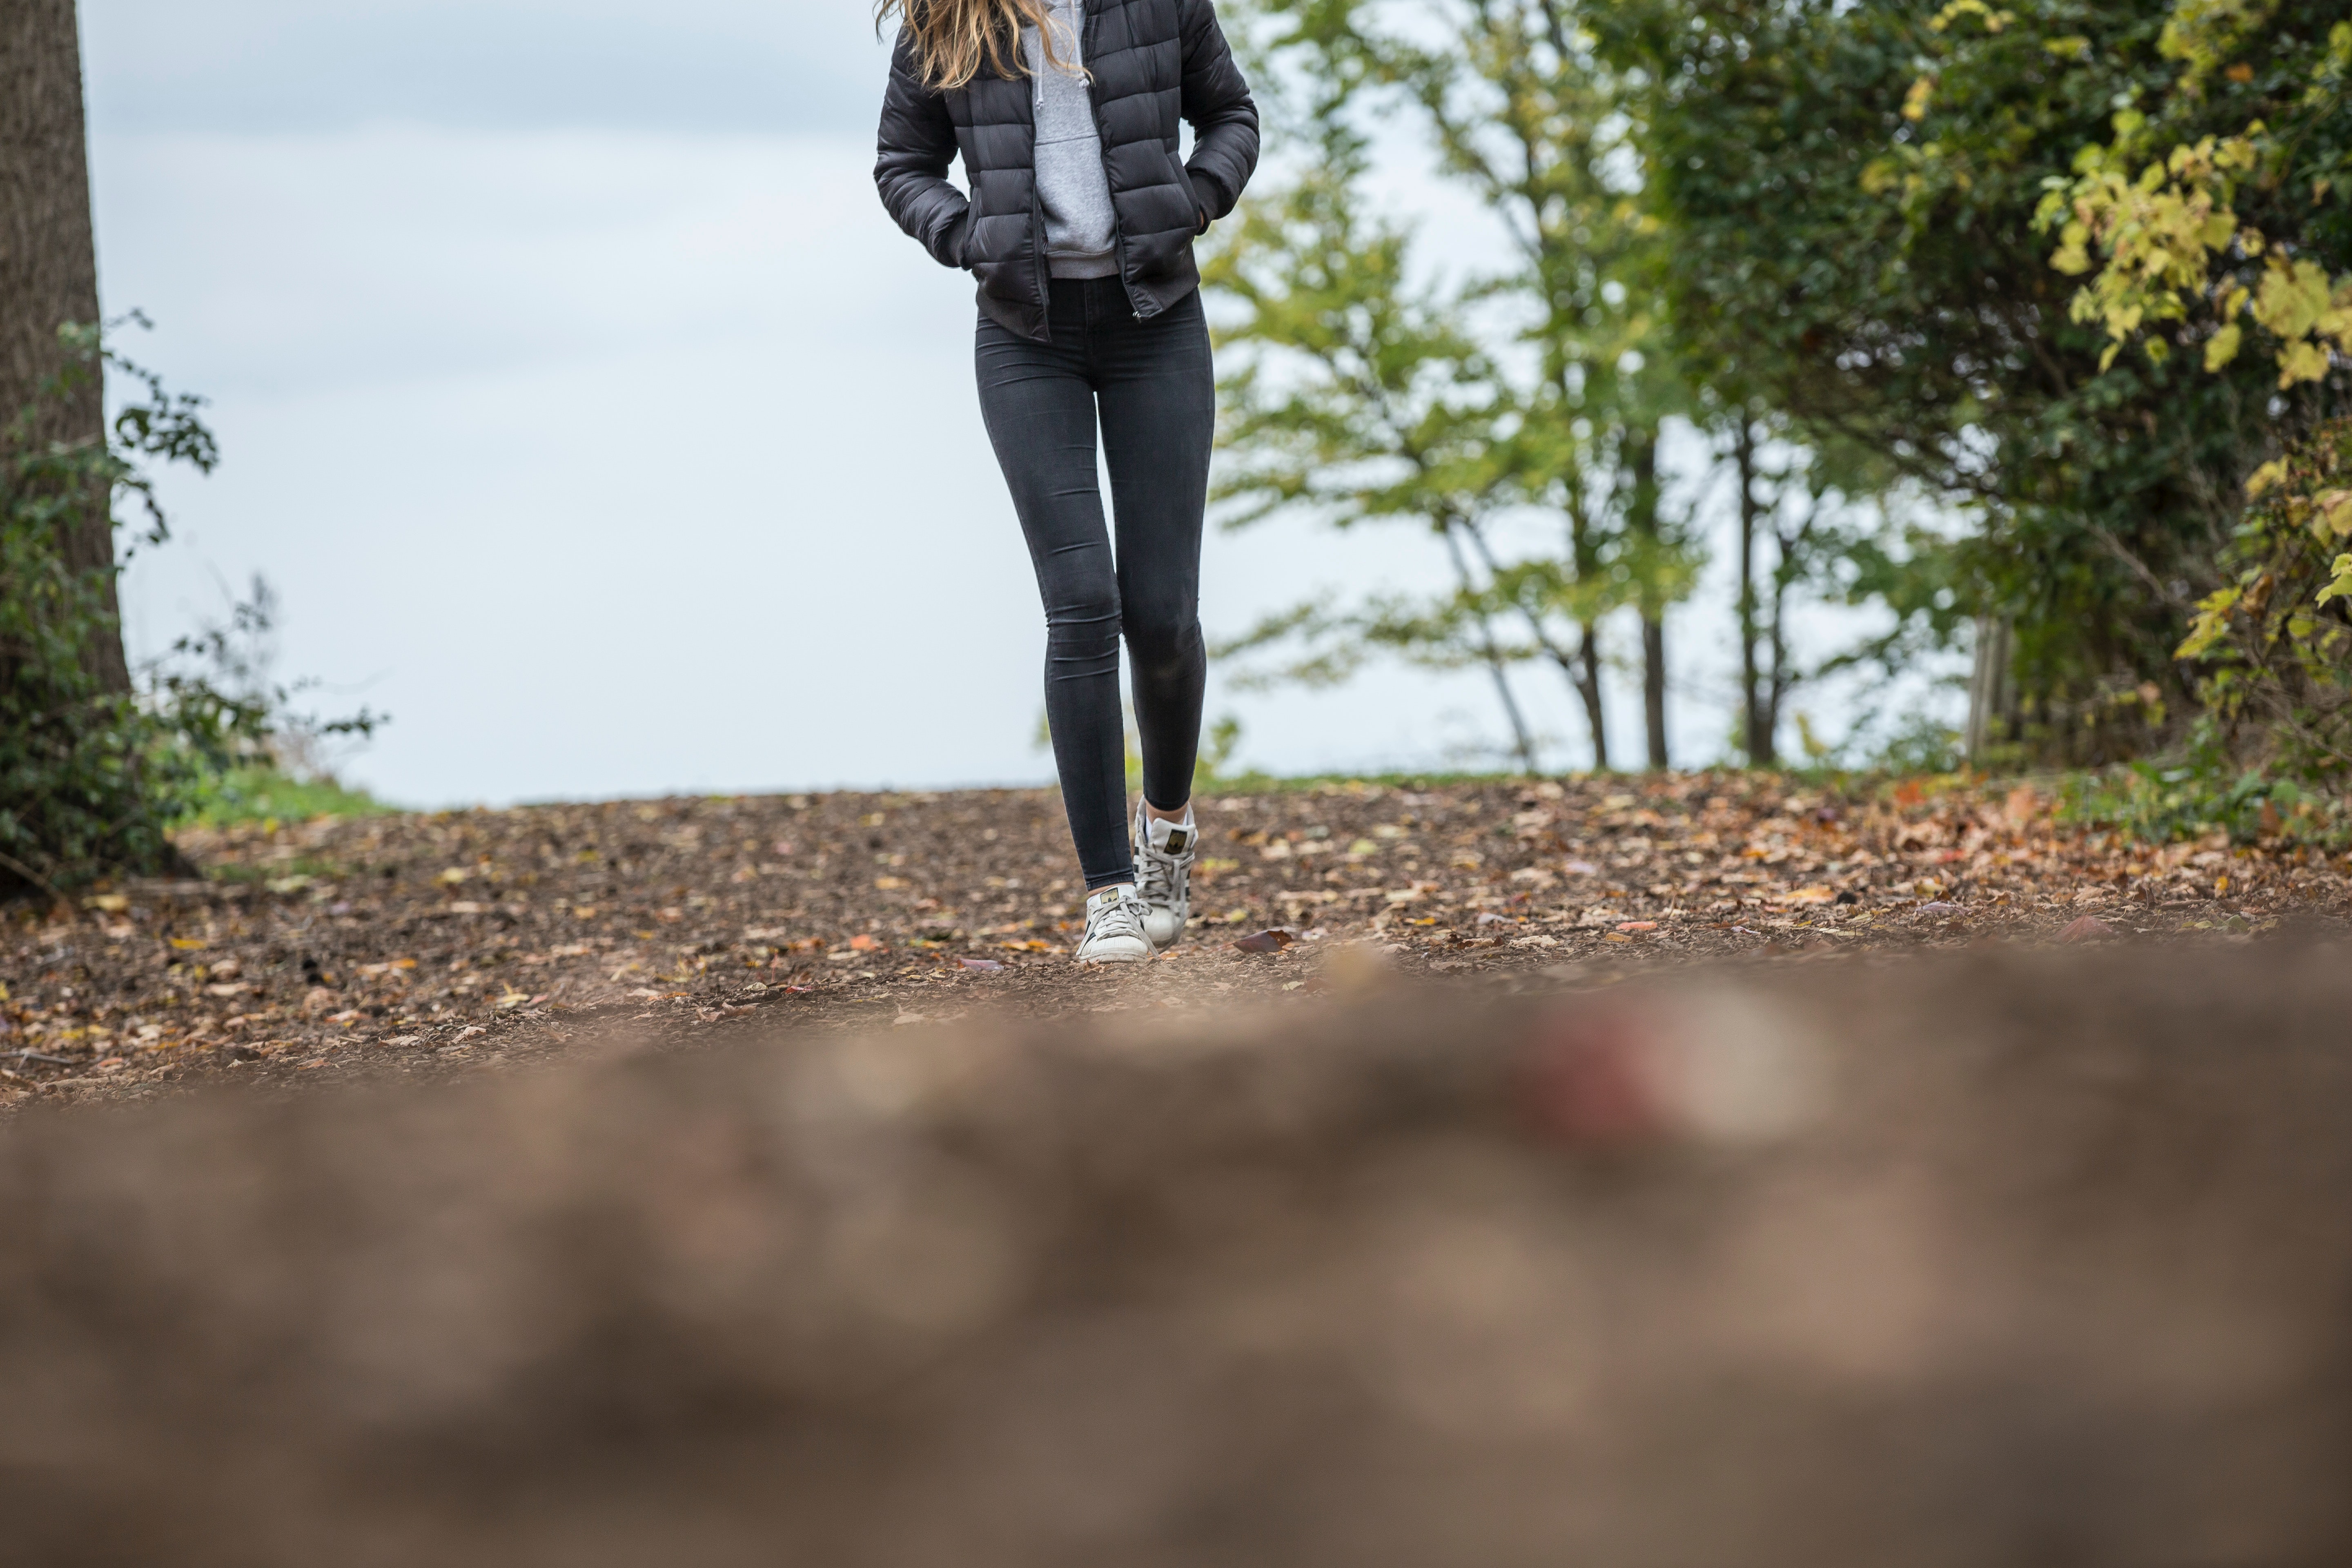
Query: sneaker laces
x,y
1116,917
1157,871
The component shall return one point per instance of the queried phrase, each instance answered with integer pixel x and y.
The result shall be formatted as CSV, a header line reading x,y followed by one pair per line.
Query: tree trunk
x,y
1991,696
1757,727
1782,677
1641,517
48,271
1583,669
1587,680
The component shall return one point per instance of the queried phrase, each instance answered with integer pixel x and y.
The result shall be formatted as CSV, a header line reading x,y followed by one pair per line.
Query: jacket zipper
x,y
1086,35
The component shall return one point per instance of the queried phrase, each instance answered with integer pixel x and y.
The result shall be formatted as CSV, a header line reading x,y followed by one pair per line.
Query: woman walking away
x,y
1079,226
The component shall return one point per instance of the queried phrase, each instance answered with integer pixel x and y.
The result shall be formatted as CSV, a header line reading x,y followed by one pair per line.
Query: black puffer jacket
x,y
1151,61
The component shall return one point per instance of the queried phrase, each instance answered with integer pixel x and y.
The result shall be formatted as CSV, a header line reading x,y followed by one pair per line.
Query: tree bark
x,y
1641,517
1757,726
48,272
1583,669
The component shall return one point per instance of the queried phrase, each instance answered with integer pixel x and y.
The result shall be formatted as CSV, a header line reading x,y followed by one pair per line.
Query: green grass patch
x,y
260,794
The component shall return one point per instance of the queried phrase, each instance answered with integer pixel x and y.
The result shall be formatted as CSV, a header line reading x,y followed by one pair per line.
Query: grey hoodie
x,y
1080,236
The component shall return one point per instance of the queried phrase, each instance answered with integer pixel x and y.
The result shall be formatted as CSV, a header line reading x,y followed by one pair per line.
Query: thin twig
x,y
13,864
37,1056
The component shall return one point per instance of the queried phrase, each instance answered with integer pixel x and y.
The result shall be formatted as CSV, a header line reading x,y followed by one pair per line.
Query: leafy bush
x,y
91,778
2273,646
2201,793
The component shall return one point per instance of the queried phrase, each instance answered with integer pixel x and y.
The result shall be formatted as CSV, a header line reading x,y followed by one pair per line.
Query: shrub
x,y
2272,647
91,778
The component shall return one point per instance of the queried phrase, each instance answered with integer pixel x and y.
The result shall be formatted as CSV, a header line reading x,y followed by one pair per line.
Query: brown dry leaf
x,y
1270,941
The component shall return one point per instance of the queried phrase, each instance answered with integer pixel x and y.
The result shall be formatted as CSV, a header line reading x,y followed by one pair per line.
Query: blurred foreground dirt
x,y
2013,1257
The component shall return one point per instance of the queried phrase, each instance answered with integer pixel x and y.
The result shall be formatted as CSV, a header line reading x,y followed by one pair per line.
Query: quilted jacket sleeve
x,y
1216,100
914,147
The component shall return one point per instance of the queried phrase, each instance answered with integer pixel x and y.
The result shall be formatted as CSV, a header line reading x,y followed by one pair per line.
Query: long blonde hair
x,y
954,38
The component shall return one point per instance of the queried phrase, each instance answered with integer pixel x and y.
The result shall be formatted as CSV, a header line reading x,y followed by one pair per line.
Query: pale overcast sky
x,y
592,418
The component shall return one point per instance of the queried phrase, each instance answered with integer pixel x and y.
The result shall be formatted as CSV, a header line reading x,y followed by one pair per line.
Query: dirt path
x,y
434,944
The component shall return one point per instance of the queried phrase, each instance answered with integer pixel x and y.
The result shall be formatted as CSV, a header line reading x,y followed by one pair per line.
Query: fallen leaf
x,y
1637,925
986,965
112,903
863,942
1939,906
1580,868
2090,927
1270,941
1816,894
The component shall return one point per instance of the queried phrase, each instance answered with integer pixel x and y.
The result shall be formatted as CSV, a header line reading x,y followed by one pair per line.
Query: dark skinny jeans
x,y
1149,385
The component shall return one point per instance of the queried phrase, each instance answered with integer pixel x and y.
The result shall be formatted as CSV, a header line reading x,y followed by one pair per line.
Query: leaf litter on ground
x,y
431,943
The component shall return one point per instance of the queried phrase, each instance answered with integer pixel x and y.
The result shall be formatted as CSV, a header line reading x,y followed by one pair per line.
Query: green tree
x,y
1356,398
1850,194
1520,109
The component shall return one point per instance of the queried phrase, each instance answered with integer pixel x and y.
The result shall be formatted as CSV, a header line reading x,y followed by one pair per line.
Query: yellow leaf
x,y
2305,361
2221,347
2292,297
2340,587
2210,624
1914,102
2268,477
2335,510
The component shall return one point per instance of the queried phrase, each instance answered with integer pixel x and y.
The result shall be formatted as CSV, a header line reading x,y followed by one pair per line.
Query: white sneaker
x,y
1164,852
1115,928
